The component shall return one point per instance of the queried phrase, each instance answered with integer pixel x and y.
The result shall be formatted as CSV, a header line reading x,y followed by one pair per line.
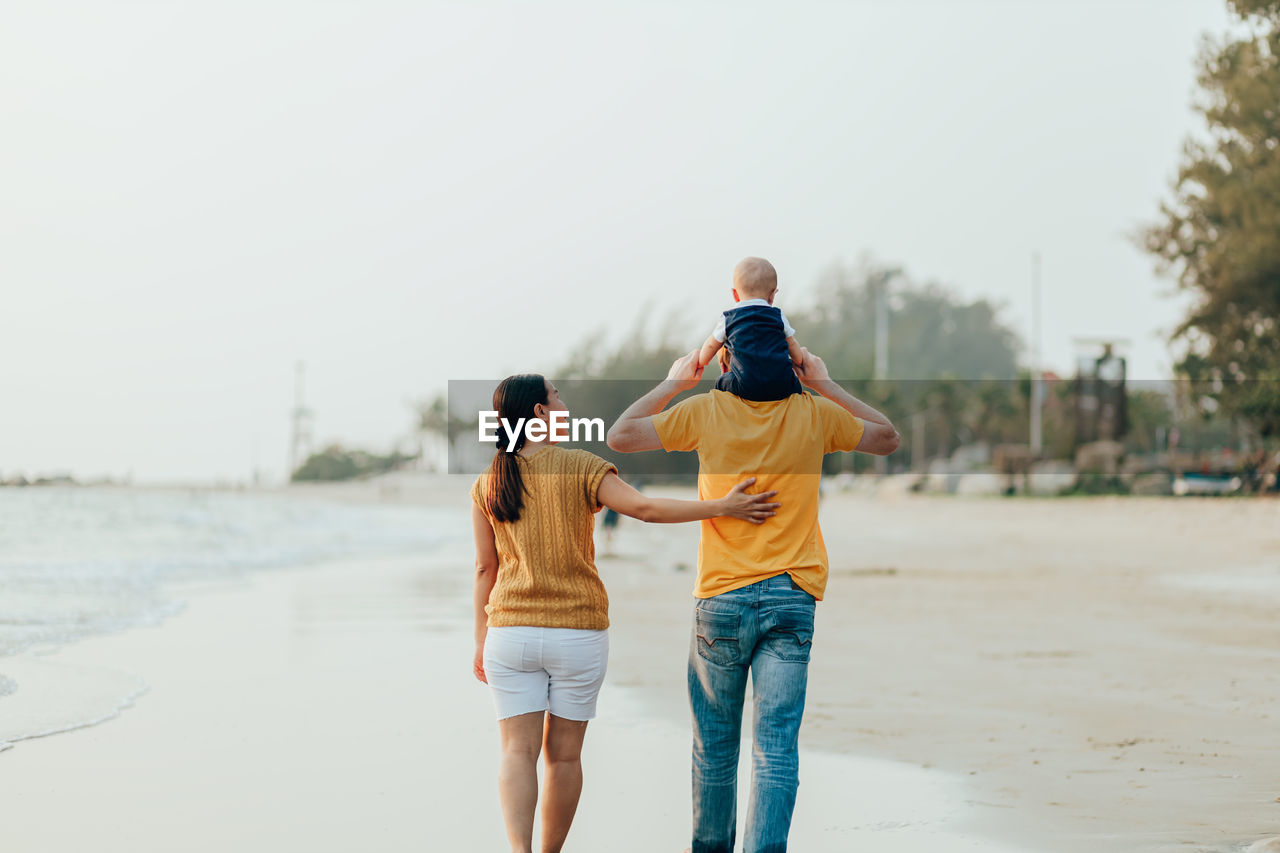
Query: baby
x,y
760,342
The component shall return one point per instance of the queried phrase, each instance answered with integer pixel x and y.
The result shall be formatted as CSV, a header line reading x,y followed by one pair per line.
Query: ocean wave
x,y
80,562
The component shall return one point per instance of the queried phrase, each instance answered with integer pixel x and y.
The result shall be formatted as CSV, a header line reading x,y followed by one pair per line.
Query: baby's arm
x,y
793,349
710,347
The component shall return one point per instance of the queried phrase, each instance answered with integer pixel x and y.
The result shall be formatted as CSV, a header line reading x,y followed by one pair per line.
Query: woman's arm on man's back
x,y
616,494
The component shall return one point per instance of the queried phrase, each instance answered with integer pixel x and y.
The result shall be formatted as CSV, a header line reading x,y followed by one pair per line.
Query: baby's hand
x,y
724,359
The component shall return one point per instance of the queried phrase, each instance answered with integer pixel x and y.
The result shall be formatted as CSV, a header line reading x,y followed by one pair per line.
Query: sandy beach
x,y
1104,673
1005,675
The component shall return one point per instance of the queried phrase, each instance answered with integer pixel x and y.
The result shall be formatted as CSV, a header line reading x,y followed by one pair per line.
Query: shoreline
x,y
1046,680
109,694
281,715
291,709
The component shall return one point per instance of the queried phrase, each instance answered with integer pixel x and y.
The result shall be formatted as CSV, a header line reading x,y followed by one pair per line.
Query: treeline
x,y
955,380
954,363
338,463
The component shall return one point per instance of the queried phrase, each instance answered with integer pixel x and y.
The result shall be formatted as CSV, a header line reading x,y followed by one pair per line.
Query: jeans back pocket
x,y
791,636
717,635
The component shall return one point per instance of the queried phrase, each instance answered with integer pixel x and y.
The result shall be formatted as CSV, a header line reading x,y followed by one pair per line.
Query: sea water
x,y
77,562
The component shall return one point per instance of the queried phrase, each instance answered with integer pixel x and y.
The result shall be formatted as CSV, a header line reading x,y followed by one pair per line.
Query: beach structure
x,y
1100,399
300,417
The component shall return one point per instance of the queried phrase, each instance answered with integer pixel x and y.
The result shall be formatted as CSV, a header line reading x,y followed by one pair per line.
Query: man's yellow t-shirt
x,y
781,443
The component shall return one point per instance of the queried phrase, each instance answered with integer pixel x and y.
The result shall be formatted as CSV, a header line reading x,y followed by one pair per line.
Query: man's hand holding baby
x,y
685,372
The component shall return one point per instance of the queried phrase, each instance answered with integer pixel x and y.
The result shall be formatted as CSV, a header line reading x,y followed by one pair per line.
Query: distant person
x,y
541,611
610,525
757,346
756,587
610,522
1252,471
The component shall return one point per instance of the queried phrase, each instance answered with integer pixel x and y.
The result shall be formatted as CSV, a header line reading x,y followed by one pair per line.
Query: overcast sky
x,y
196,196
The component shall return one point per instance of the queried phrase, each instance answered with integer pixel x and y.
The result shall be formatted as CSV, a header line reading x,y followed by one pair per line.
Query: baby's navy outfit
x,y
760,368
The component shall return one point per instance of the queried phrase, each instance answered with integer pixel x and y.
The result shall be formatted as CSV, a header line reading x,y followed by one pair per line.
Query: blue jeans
x,y
765,628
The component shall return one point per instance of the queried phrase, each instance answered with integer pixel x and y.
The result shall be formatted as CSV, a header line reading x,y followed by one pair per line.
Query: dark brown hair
x,y
515,398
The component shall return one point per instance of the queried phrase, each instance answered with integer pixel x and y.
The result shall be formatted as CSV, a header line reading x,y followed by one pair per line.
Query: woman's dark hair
x,y
514,398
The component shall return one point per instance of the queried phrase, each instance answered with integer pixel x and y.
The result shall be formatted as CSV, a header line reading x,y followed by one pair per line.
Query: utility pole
x,y
300,445
918,427
882,327
1037,390
882,346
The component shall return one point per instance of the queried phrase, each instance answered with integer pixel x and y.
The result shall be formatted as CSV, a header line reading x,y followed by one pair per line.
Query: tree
x,y
932,333
935,337
337,463
600,379
435,418
1219,237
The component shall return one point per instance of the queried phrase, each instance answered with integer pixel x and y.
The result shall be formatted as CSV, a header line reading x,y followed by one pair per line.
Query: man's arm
x,y
634,431
879,437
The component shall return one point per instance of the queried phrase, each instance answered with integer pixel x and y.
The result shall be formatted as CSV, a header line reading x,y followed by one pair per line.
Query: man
x,y
756,585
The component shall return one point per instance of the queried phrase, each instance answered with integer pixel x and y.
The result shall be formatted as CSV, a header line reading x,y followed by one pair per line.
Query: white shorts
x,y
545,669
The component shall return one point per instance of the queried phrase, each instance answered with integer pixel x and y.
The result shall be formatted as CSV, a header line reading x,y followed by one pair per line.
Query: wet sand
x,y
1034,675
331,708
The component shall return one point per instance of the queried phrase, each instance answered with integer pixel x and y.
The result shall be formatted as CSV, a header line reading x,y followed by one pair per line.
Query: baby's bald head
x,y
755,278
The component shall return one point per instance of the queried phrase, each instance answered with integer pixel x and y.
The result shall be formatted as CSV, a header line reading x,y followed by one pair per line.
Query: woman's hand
x,y
753,508
477,665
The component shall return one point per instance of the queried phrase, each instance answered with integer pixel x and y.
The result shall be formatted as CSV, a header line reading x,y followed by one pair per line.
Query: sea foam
x,y
78,562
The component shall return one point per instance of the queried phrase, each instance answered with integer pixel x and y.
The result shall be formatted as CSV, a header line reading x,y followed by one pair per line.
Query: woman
x,y
542,613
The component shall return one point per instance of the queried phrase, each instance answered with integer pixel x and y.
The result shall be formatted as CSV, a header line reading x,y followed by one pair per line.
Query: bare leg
x,y
518,776
563,785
